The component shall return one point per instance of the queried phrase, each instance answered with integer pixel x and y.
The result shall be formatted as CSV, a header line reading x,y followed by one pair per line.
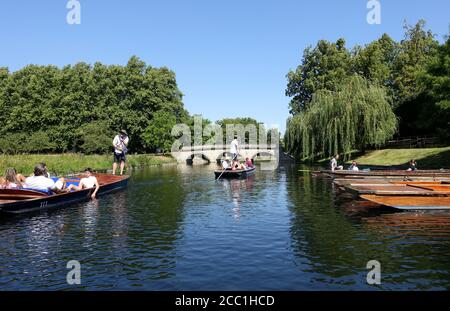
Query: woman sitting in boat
x,y
12,179
39,181
412,165
89,181
353,167
334,164
248,163
238,166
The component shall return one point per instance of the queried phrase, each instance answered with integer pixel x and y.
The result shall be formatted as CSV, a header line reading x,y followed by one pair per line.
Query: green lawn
x,y
73,162
427,158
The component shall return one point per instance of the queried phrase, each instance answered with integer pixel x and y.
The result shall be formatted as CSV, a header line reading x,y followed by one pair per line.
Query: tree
x,y
323,67
358,114
63,102
95,137
376,60
158,132
435,83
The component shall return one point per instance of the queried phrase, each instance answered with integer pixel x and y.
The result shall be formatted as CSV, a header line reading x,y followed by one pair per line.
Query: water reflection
x,y
340,236
177,228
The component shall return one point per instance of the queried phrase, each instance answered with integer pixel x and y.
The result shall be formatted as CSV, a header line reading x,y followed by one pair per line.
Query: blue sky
x,y
230,57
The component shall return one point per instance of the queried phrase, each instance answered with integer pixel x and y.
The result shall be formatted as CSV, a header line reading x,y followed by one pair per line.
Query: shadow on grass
x,y
436,161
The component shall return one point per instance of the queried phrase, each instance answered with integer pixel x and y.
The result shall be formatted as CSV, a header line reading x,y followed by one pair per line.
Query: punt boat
x,y
18,201
228,173
407,202
443,173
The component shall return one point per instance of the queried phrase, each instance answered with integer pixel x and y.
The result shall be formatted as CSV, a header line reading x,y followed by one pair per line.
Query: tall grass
x,y
74,162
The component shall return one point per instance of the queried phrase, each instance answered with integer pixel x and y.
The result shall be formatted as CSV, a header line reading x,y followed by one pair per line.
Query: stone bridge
x,y
215,153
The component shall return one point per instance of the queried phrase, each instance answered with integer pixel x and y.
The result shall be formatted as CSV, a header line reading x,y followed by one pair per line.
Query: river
x,y
176,228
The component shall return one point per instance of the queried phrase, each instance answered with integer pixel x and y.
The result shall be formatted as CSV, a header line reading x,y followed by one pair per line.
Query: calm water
x,y
175,228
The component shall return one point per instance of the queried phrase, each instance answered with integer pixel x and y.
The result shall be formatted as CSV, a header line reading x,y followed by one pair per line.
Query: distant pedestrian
x,y
120,143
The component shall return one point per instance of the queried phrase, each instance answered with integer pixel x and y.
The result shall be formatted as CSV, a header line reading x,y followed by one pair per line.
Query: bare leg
x,y
122,165
114,168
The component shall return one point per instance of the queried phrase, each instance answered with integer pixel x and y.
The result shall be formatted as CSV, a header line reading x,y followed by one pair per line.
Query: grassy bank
x,y
73,162
427,158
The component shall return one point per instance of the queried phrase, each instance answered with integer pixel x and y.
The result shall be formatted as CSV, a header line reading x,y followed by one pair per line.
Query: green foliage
x,y
39,142
95,137
323,67
158,132
61,102
413,74
356,115
435,81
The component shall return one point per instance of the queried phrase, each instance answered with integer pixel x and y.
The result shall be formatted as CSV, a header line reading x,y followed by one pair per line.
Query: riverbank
x,y
74,162
427,158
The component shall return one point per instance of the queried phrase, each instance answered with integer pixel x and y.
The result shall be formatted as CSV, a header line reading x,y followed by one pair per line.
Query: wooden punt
x,y
13,201
395,189
386,173
406,202
379,181
228,173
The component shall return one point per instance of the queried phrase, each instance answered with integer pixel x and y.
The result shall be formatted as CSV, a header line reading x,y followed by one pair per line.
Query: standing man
x,y
120,143
234,150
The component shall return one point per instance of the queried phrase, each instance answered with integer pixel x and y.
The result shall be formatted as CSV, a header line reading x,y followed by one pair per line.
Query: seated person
x,y
46,173
40,182
412,165
353,167
11,180
334,164
239,166
87,182
248,163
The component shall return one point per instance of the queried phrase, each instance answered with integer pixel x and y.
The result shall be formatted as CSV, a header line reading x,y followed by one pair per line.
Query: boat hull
x,y
411,203
234,174
60,200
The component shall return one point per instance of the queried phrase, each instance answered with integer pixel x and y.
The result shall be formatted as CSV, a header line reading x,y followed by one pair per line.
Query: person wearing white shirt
x,y
120,143
234,150
334,165
353,167
40,182
87,182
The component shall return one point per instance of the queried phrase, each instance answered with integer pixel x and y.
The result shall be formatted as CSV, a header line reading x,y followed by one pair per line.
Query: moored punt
x,y
406,202
13,201
228,173
394,189
380,181
385,173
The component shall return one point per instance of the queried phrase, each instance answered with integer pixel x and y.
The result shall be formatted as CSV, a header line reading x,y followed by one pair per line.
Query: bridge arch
x,y
190,158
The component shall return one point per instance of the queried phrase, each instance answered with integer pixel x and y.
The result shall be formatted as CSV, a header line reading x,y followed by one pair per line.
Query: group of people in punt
x,y
335,167
412,165
41,180
235,164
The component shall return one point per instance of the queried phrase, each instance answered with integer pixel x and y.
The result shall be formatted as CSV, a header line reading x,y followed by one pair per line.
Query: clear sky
x,y
231,57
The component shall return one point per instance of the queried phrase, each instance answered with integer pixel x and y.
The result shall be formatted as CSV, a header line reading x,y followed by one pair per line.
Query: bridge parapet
x,y
227,147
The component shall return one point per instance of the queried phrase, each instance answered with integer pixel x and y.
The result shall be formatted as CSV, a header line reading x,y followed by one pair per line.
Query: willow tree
x,y
356,115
